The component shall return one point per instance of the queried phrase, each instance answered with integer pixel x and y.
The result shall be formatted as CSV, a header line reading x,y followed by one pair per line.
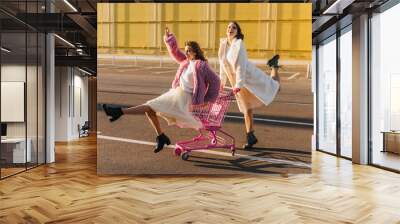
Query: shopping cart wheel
x,y
233,151
178,151
185,156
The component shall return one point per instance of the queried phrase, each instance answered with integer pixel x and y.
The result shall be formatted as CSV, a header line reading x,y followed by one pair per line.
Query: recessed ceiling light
x,y
337,7
86,72
5,49
64,40
70,5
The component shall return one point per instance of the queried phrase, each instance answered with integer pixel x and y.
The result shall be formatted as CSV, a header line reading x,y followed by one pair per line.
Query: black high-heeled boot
x,y
113,112
273,62
251,140
161,141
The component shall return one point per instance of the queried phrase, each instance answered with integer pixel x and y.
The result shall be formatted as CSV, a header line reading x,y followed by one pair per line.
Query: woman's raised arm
x,y
172,46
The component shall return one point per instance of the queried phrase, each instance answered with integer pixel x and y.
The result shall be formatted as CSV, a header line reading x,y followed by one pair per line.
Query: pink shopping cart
x,y
210,135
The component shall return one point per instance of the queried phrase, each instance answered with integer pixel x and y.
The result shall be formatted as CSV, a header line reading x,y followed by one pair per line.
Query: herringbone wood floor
x,y
69,191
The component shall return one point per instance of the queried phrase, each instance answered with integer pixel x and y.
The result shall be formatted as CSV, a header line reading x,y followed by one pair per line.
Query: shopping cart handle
x,y
227,94
236,90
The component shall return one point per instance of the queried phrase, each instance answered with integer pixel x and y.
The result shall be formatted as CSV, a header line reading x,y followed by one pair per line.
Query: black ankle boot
x,y
113,112
273,62
161,141
251,140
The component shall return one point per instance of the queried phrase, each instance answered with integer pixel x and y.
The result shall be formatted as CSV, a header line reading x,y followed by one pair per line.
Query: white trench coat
x,y
257,88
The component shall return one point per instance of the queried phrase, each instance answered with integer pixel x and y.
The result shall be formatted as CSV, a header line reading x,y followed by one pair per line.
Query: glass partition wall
x,y
334,126
334,94
22,87
326,54
385,89
13,89
345,61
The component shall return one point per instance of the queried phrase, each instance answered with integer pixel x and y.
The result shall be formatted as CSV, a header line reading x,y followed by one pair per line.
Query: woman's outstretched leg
x,y
151,115
117,112
251,138
248,120
141,109
273,63
161,139
275,74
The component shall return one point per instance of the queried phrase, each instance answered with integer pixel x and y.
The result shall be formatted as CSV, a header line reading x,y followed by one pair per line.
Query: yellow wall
x,y
137,28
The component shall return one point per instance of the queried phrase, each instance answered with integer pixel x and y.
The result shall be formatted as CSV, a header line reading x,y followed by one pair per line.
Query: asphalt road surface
x,y
283,128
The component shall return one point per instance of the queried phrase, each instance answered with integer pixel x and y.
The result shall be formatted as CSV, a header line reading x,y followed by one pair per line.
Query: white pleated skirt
x,y
174,107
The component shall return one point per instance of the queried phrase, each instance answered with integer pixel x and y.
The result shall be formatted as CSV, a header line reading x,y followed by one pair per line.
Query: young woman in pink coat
x,y
194,83
252,86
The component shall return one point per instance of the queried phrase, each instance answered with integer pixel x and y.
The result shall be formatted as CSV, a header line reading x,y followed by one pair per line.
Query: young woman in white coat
x,y
252,86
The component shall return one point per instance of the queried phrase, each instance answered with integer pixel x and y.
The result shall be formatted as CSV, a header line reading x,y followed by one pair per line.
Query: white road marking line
x,y
271,120
283,72
167,59
294,76
306,165
265,119
130,140
117,65
161,72
294,103
137,67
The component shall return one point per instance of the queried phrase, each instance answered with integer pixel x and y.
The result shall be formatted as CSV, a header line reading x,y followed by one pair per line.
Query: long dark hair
x,y
196,49
239,34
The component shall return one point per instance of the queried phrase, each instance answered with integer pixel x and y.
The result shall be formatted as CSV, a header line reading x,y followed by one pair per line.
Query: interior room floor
x,y
387,159
69,191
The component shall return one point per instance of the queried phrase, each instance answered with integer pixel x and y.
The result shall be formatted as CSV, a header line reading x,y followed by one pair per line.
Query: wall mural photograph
x,y
205,88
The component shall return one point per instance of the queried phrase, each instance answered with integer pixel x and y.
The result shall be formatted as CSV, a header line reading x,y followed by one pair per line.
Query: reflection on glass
x,y
346,94
327,97
23,90
41,98
394,101
14,146
385,89
31,101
